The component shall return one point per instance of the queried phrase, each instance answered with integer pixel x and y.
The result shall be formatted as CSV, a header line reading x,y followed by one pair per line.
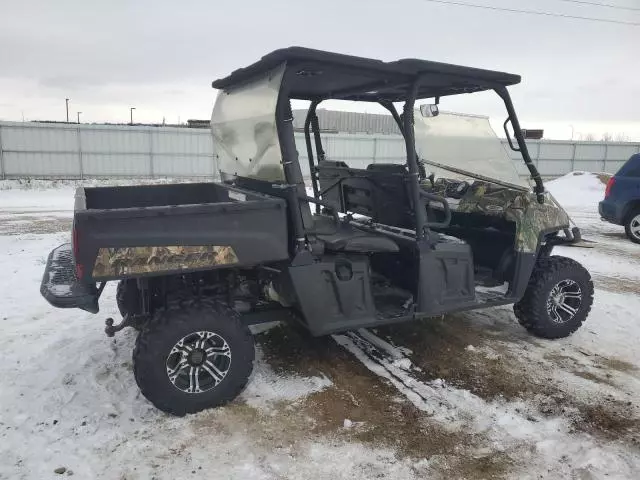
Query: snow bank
x,y
577,190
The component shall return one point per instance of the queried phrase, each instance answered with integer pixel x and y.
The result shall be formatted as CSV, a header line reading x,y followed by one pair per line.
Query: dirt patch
x,y
439,350
594,378
610,419
617,284
22,224
604,177
616,364
570,364
378,415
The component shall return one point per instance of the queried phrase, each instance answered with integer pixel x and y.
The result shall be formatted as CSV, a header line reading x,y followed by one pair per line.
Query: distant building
x,y
349,122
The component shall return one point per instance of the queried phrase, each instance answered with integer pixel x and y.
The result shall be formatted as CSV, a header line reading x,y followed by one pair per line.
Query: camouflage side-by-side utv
x,y
452,228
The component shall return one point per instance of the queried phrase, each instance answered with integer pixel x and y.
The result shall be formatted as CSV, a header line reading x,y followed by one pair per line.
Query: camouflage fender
x,y
116,262
531,218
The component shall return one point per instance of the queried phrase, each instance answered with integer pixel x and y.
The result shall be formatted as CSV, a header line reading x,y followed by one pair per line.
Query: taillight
x,y
74,241
610,184
74,246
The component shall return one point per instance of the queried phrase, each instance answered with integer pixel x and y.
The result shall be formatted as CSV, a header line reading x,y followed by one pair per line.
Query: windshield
x,y
465,143
243,125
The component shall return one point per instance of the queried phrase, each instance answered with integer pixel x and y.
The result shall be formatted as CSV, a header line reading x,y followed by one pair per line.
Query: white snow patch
x,y
266,387
577,190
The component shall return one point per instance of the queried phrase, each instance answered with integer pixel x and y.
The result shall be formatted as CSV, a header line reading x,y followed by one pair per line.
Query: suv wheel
x,y
558,298
632,226
194,354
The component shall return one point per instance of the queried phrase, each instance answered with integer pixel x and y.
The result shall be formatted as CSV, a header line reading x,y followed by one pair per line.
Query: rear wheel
x,y
558,298
194,354
632,226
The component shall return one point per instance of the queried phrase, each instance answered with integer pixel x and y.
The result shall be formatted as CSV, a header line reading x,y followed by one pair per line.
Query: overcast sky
x,y
161,56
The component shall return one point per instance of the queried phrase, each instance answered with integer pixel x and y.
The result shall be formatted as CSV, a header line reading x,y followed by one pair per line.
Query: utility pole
x,y
131,113
67,103
79,117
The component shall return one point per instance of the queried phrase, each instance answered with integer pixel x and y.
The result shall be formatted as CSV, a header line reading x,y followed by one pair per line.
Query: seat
x,y
344,237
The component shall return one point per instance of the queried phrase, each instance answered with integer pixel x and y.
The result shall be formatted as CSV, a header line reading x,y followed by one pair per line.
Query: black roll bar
x,y
412,159
311,114
522,145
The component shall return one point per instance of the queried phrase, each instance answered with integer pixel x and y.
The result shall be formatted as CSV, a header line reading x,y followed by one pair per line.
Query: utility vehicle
x,y
442,232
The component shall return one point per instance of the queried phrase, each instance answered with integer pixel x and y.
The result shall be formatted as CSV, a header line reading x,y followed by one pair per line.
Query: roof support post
x,y
311,115
412,161
522,145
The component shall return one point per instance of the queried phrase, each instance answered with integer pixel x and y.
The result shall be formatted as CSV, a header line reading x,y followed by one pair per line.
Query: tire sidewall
x,y
627,226
128,297
553,329
154,380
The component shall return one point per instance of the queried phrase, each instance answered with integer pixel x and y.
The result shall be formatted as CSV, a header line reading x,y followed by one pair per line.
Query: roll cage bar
x,y
405,126
316,76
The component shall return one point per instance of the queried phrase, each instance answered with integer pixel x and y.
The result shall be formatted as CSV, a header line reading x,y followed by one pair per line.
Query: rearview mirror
x,y
429,110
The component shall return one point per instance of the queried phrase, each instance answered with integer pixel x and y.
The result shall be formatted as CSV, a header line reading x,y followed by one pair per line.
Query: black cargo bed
x,y
163,229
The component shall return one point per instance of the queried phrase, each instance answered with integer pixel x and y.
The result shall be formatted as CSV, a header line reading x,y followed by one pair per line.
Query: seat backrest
x,y
379,192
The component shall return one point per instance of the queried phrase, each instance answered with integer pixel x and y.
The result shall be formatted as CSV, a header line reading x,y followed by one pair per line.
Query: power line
x,y
606,5
533,12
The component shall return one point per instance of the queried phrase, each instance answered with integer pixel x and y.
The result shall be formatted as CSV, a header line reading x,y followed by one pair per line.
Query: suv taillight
x,y
610,184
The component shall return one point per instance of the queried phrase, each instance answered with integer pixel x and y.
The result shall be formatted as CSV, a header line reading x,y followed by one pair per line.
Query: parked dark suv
x,y
621,204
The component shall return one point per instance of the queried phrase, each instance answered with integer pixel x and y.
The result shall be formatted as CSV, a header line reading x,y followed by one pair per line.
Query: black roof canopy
x,y
317,75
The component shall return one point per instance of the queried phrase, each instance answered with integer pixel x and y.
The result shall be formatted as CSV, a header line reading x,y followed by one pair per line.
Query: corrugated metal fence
x,y
42,150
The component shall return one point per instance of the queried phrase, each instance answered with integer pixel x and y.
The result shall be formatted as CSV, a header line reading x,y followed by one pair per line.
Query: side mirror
x,y
429,110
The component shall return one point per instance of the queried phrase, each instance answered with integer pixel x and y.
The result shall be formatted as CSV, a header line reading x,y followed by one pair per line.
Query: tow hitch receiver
x,y
111,329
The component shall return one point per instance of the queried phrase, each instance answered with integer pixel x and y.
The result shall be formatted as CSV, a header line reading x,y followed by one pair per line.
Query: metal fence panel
x,y
170,165
19,137
116,165
42,164
110,141
196,142
75,151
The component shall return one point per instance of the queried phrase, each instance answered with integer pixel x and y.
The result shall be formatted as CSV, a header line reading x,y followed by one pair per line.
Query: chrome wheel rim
x,y
634,226
198,362
564,301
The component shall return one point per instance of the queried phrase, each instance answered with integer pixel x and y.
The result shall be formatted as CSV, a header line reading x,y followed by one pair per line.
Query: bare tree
x,y
607,137
622,137
587,137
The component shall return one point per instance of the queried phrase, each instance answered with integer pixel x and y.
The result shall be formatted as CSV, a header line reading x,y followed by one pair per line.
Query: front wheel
x,y
558,298
194,354
632,226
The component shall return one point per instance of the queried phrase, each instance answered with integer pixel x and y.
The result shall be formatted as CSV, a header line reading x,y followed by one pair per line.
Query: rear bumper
x,y
610,212
61,288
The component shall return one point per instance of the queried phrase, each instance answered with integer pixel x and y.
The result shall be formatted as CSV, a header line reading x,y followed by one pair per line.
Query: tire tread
x,y
529,310
180,310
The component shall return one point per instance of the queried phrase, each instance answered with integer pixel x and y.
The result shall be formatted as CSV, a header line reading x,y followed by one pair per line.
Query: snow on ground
x,y
468,396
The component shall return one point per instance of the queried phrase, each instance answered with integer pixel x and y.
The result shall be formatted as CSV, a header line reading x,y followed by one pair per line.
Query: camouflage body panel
x,y
531,218
115,262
